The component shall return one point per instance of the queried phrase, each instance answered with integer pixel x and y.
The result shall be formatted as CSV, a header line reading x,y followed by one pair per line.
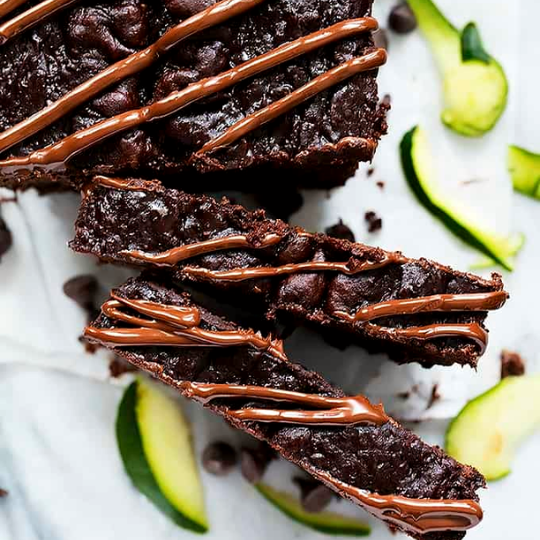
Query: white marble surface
x,y
57,451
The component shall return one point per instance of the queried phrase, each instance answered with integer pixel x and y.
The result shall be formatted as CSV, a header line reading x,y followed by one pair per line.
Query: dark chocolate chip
x,y
374,222
82,289
341,231
380,184
252,465
3,493
380,39
219,458
314,496
402,19
370,171
6,239
512,364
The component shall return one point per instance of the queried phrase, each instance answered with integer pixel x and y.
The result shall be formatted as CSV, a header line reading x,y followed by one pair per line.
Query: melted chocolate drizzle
x,y
29,18
56,155
179,326
171,326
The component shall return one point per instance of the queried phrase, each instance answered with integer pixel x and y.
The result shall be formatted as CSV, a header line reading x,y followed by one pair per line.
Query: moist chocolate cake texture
x,y
188,86
415,310
346,442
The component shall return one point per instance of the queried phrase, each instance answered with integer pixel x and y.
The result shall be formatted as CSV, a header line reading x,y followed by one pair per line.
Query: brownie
x,y
317,144
145,216
385,459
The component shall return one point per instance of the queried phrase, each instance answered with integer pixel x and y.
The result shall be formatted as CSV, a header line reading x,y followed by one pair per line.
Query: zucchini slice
x,y
524,167
418,168
154,440
488,430
325,522
474,84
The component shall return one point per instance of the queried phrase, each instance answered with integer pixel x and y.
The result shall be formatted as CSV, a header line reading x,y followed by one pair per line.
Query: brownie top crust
x,y
413,309
242,382
338,125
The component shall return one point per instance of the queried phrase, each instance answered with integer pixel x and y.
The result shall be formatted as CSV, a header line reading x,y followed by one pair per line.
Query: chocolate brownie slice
x,y
416,310
357,451
315,141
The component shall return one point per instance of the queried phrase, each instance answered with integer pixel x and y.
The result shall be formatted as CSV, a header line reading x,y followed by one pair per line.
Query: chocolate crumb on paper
x,y
373,220
511,364
341,231
434,397
3,493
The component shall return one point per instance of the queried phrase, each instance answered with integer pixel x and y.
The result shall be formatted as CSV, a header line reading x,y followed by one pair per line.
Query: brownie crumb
x,y
219,458
512,364
370,171
380,184
402,19
6,238
374,221
341,231
434,397
3,493
314,496
404,395
380,38
117,366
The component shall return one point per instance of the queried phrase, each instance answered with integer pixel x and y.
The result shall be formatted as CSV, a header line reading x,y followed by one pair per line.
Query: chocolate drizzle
x,y
420,516
334,411
29,18
56,155
171,326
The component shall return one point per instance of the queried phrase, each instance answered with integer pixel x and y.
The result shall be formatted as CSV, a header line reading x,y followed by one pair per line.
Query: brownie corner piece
x,y
315,139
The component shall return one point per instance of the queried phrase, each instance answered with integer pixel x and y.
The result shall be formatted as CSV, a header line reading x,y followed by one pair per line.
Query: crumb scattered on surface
x,y
118,366
511,364
373,220
370,171
3,493
340,230
380,184
434,397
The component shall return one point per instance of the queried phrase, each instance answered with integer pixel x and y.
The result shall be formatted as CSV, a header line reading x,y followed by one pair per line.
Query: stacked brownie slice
x,y
346,442
251,95
415,310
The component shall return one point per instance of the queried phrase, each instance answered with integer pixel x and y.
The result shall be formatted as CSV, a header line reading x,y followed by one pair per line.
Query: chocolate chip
x,y
82,289
374,222
380,184
512,364
380,39
370,171
252,465
219,458
6,239
3,493
402,19
341,231
315,497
